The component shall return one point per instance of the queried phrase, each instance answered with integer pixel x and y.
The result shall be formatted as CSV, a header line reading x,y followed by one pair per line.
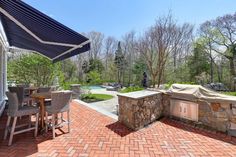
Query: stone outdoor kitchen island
x,y
138,109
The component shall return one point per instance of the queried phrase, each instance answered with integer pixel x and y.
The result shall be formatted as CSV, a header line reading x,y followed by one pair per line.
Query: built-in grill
x,y
196,103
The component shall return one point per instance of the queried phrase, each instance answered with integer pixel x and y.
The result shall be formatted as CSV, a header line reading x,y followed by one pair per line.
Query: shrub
x,y
95,97
230,93
94,78
131,89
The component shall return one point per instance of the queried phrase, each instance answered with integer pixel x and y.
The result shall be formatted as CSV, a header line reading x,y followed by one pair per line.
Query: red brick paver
x,y
94,134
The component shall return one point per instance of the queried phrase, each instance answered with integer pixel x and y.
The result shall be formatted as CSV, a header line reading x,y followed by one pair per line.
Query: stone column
x,y
138,109
76,91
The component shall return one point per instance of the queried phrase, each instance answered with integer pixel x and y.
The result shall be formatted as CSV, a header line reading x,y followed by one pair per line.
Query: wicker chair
x,y
60,103
44,89
15,111
22,99
26,91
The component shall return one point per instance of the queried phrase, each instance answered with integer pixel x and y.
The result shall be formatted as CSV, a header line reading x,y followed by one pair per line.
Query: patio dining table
x,y
41,97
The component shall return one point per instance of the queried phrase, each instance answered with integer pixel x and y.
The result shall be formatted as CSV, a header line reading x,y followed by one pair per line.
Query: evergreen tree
x,y
119,62
198,63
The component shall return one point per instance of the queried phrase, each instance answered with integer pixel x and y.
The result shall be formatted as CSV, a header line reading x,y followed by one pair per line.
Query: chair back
x,y
26,91
13,103
53,88
44,89
19,92
60,101
23,85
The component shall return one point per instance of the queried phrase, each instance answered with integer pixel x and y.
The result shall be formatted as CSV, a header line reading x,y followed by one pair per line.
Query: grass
x,y
95,97
131,89
230,93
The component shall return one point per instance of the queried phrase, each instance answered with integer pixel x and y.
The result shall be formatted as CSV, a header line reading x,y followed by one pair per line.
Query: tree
x,y
198,62
94,78
110,48
95,65
69,70
129,44
96,44
32,68
119,62
138,68
161,40
222,32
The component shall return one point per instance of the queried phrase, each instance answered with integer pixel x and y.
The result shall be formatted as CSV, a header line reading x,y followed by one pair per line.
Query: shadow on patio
x,y
201,131
119,129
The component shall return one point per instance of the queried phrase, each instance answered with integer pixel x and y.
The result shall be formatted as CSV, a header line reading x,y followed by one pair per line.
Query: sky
x,y
117,17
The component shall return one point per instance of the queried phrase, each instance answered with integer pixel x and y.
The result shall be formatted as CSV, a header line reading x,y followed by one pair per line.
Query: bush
x,y
32,69
95,97
94,78
230,93
131,89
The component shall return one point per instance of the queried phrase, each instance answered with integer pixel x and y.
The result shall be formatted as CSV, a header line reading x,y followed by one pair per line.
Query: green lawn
x,y
230,93
95,97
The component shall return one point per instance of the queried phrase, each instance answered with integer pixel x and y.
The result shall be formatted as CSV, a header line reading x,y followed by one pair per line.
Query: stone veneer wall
x,y
136,113
219,116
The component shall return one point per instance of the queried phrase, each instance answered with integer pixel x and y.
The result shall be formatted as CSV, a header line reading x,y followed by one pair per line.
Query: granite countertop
x,y
138,94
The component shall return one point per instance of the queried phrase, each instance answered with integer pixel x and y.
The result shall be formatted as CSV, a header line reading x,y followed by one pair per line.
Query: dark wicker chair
x,y
60,103
22,99
15,110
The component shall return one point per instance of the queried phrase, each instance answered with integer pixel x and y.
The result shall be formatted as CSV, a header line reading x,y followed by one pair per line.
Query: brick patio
x,y
93,134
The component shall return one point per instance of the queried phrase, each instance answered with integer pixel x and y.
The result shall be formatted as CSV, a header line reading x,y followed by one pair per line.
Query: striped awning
x,y
28,28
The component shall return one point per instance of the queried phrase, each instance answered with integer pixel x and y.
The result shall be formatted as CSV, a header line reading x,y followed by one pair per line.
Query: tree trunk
x,y
153,80
161,71
219,73
212,71
232,73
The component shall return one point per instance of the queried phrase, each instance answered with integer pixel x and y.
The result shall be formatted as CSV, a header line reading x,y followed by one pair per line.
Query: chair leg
x,y
46,119
29,121
12,131
36,125
7,127
56,118
68,120
62,117
53,126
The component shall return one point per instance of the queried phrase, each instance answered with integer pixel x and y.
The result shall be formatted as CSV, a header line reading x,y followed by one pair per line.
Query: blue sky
x,y
117,17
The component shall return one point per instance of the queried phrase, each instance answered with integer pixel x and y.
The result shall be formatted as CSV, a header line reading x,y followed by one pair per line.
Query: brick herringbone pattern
x,y
94,134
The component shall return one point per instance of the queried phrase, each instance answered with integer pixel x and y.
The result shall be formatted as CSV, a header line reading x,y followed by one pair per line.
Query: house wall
x,y
2,78
3,68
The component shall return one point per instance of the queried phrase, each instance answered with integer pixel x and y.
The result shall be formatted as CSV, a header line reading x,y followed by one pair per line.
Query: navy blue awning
x,y
30,29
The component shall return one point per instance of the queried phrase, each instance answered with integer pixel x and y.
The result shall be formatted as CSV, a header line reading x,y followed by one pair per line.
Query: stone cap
x,y
75,85
138,94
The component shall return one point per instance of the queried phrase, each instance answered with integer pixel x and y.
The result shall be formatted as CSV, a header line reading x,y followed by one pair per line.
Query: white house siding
x,y
2,78
3,68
